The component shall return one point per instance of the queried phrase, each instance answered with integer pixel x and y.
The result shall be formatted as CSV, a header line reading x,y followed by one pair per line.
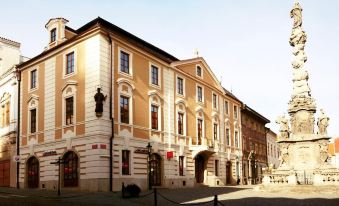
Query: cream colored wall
x,y
9,55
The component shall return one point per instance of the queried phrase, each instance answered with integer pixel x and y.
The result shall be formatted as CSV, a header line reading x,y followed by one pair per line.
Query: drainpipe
x,y
111,116
18,77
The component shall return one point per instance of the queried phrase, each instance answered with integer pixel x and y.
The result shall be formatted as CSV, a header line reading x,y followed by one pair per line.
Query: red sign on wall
x,y
169,154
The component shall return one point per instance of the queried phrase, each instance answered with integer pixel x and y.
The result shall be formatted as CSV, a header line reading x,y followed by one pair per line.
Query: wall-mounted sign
x,y
49,153
169,155
16,158
141,151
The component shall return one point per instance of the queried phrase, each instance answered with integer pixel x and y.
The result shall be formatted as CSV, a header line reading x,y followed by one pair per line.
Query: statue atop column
x,y
284,128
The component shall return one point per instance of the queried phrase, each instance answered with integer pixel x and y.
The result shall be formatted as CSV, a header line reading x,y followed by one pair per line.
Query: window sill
x,y
33,89
69,75
128,75
155,86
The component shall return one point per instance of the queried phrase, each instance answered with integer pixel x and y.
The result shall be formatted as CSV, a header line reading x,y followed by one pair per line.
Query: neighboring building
x,y
9,57
273,151
179,107
333,150
254,145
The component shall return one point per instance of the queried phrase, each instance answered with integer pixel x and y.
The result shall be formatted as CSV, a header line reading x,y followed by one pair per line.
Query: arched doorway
x,y
155,170
70,170
199,168
33,172
228,172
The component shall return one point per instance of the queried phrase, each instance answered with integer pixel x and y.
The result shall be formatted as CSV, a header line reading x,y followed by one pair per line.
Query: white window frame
x,y
183,85
30,77
66,95
56,36
159,75
31,107
227,109
217,101
124,82
236,137
228,142
196,93
235,112
183,111
196,71
130,69
64,56
155,103
203,126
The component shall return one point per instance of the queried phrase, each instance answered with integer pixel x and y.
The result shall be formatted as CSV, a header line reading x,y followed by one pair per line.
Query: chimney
x,y
56,31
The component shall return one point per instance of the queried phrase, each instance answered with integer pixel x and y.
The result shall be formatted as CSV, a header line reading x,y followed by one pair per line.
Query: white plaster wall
x,y
8,85
10,56
49,117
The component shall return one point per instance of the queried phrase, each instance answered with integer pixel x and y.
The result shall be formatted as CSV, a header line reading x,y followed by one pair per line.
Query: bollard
x,y
123,190
215,202
155,197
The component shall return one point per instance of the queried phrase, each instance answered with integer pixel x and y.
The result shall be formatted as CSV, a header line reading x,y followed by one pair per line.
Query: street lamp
x,y
18,77
149,151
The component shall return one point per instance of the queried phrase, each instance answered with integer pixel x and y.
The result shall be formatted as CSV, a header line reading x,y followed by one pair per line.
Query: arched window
x,y
33,172
70,171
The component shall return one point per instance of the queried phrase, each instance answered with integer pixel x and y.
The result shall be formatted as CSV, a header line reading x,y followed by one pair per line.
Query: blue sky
x,y
244,41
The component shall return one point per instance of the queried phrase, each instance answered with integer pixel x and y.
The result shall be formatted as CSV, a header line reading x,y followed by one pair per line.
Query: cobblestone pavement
x,y
228,196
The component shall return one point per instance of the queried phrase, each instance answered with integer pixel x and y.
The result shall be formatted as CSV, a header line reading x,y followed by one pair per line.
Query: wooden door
x,y
155,170
199,169
33,172
4,173
228,172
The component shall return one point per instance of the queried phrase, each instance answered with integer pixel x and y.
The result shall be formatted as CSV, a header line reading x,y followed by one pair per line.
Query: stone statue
x,y
99,99
296,14
323,152
284,155
284,128
322,122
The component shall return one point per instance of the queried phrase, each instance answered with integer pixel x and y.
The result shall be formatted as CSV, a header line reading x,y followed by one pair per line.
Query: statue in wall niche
x,y
99,99
284,128
322,122
323,152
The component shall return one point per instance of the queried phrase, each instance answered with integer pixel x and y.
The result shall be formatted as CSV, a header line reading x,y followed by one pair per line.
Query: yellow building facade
x,y
145,96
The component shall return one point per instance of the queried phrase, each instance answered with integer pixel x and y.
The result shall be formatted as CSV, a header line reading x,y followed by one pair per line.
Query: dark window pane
x,y
180,86
199,94
180,123
33,120
124,109
181,165
154,116
69,110
155,75
125,167
199,71
124,62
70,63
33,78
215,131
53,35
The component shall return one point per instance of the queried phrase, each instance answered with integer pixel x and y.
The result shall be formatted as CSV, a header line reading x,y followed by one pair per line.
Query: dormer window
x,y
199,72
53,35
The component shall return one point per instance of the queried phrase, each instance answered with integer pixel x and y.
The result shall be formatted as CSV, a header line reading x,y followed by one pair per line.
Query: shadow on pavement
x,y
259,201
